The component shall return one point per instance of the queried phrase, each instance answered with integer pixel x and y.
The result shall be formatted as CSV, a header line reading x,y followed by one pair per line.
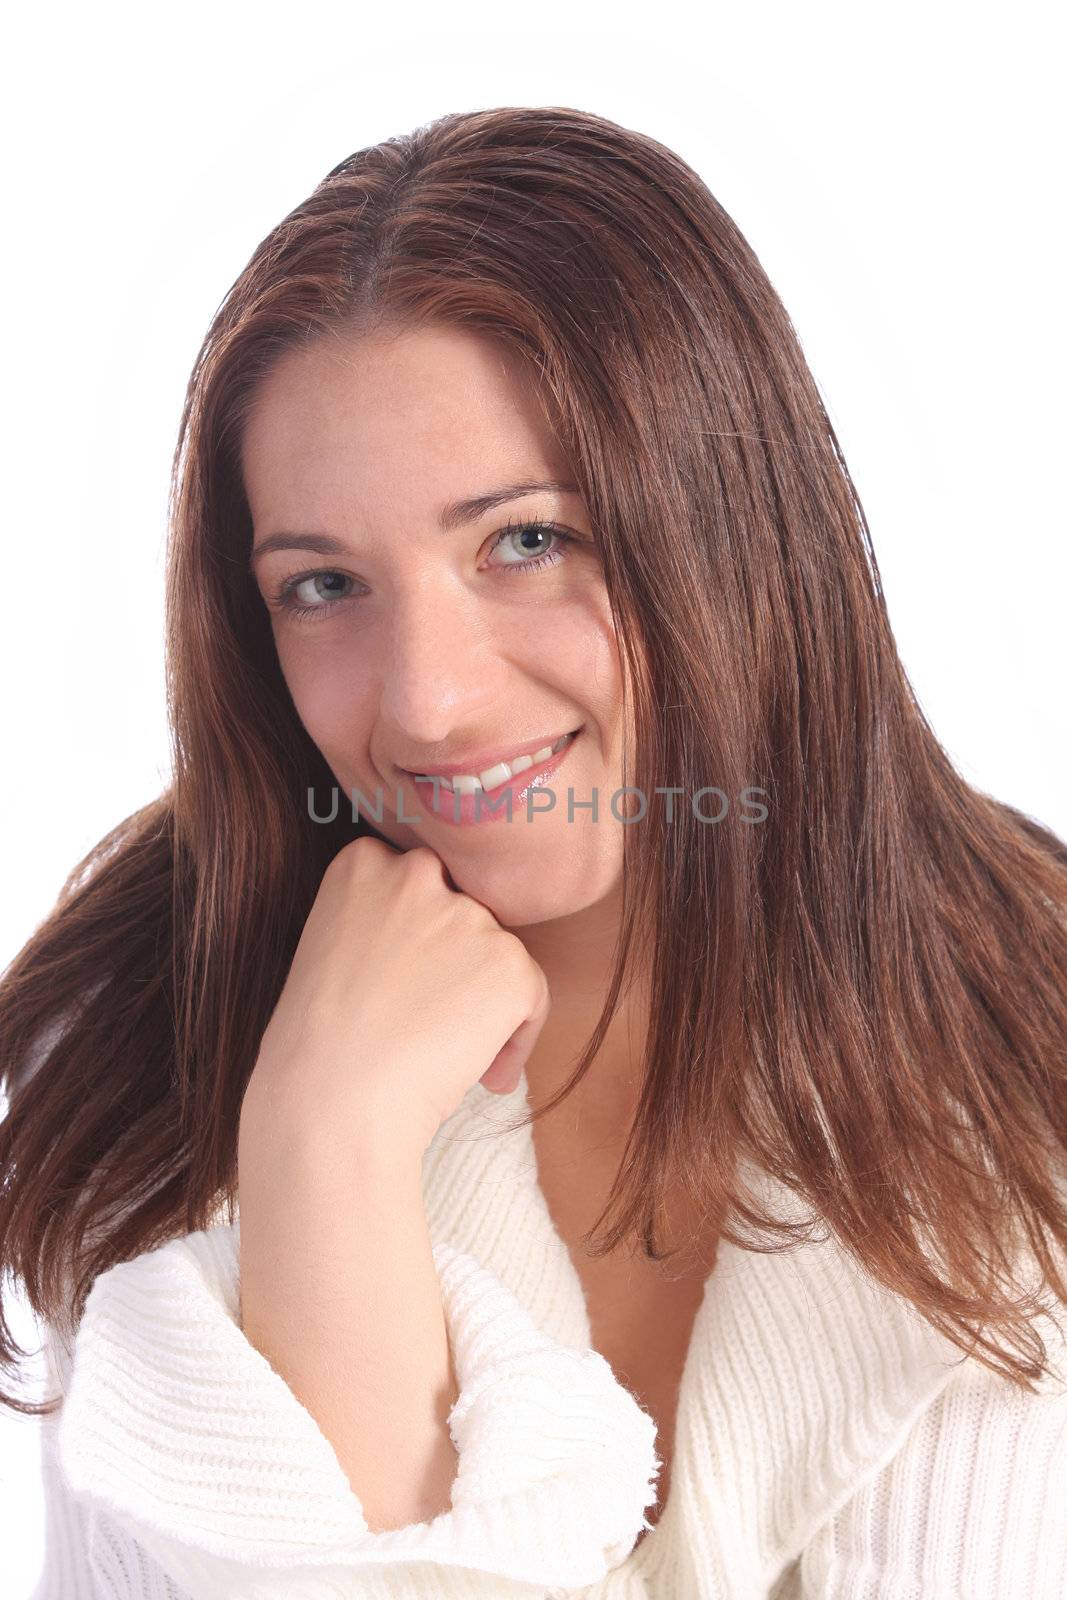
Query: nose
x,y
440,664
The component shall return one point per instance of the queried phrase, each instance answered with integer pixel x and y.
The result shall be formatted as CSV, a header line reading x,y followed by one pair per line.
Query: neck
x,y
576,954
580,1144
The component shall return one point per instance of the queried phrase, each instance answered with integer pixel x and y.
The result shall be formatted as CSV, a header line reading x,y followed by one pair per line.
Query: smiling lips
x,y
470,783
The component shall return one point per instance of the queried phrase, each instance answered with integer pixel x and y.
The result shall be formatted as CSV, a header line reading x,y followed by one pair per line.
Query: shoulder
x,y
970,1503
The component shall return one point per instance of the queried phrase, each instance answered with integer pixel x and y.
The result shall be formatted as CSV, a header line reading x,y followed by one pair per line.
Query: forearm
x,y
340,1293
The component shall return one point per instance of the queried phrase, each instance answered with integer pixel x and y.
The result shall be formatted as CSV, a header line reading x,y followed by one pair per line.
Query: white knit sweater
x,y
829,1444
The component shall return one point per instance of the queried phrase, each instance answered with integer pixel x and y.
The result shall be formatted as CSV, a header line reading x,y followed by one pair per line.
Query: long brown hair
x,y
865,995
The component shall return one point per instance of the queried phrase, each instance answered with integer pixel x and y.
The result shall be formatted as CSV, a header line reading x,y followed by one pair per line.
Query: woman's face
x,y
412,639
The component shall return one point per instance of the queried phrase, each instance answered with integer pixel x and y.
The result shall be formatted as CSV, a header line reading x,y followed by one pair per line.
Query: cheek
x,y
325,693
575,645
599,670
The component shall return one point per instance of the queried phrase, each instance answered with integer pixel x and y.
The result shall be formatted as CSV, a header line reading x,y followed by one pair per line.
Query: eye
x,y
531,559
286,600
318,604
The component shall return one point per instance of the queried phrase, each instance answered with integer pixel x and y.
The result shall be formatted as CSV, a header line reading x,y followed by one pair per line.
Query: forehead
x,y
435,411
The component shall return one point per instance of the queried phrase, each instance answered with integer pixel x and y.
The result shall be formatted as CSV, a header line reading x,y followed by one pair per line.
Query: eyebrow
x,y
454,515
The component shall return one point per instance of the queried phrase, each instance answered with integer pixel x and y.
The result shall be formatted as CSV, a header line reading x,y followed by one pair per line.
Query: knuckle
x,y
518,955
421,859
358,856
363,845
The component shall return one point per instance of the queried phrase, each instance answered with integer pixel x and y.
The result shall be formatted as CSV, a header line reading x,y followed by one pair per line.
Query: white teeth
x,y
492,777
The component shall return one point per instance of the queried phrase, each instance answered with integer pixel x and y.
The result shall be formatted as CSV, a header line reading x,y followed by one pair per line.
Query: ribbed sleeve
x,y
178,1432
87,1556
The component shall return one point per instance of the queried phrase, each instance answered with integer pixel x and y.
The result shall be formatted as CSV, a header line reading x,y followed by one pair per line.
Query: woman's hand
x,y
403,992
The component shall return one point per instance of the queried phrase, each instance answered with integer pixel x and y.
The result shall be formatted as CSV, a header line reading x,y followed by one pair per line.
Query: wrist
x,y
279,1130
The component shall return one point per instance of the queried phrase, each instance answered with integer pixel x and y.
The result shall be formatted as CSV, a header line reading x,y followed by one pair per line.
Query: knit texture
x,y
829,1445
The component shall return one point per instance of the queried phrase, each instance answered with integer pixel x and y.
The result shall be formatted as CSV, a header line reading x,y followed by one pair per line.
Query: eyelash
x,y
284,602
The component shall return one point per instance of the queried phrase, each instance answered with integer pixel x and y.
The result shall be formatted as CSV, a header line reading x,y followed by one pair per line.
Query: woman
x,y
503,447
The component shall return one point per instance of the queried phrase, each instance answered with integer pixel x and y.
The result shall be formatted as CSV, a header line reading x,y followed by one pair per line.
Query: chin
x,y
523,898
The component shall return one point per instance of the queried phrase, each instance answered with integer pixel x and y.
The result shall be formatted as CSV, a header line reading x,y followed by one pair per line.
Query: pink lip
x,y
481,760
463,810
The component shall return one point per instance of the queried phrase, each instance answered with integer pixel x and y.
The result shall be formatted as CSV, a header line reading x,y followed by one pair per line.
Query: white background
x,y
898,170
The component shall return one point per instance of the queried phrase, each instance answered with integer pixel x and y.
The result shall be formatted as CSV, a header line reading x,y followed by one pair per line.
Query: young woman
x,y
555,844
